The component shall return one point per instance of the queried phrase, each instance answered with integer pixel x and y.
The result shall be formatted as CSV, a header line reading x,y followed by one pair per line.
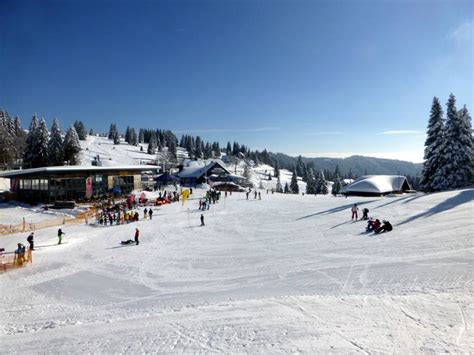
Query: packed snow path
x,y
284,274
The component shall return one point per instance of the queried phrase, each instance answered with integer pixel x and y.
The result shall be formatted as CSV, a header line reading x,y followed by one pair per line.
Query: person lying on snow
x,y
127,242
373,224
385,227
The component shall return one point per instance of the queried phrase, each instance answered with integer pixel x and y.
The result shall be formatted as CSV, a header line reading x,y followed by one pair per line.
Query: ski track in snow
x,y
257,278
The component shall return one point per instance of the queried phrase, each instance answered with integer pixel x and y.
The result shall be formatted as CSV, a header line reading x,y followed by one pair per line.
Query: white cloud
x,y
224,130
413,156
401,132
463,32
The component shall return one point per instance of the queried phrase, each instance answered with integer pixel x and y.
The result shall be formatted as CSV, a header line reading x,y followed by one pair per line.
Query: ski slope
x,y
284,274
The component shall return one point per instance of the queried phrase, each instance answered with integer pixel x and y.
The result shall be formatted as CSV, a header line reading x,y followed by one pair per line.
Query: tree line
x,y
38,147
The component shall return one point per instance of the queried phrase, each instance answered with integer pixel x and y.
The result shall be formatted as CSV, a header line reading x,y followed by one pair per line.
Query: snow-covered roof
x,y
73,168
377,184
195,169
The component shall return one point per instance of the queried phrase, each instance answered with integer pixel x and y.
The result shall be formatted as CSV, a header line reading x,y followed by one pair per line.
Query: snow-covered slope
x,y
112,155
285,274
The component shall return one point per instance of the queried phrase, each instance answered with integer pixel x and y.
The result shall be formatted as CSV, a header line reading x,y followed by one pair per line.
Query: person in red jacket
x,y
137,234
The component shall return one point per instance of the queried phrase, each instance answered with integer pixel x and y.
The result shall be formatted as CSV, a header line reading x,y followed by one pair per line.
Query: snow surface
x,y
289,273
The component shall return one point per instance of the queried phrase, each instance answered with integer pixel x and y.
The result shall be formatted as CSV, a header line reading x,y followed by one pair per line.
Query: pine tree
x,y
141,136
286,190
127,135
310,182
31,143
456,170
42,152
336,187
72,147
7,142
321,184
55,145
92,132
116,138
81,130
434,145
276,169
112,131
294,184
228,149
152,145
198,148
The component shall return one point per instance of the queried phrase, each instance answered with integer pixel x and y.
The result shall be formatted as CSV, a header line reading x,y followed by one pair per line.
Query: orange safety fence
x,y
82,217
15,261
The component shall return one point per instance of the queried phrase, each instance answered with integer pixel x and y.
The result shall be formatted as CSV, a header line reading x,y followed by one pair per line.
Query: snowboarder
x,y
137,234
150,213
354,210
31,241
60,236
202,220
365,214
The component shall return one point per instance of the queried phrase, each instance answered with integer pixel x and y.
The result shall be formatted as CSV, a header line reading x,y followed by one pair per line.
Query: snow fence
x,y
81,217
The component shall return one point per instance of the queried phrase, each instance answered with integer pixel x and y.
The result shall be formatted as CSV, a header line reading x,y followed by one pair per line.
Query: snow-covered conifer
x,y
55,145
336,187
286,190
42,150
457,168
434,145
152,144
116,138
31,143
310,182
72,147
294,184
321,184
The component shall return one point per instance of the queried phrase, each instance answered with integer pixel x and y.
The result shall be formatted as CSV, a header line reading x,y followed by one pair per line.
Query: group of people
x,y
212,196
373,225
255,194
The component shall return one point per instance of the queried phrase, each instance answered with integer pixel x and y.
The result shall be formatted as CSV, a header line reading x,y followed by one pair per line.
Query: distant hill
x,y
359,165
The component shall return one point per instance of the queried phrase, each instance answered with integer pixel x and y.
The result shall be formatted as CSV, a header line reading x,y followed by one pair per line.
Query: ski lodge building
x,y
61,183
377,185
198,172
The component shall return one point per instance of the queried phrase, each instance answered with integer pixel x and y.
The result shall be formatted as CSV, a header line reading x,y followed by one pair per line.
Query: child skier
x,y
137,234
354,210
60,236
30,241
202,220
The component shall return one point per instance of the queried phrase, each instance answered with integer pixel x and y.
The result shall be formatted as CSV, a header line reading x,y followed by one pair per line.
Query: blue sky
x,y
314,78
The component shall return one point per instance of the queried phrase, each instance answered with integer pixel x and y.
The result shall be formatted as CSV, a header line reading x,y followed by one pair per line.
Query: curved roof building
x,y
377,185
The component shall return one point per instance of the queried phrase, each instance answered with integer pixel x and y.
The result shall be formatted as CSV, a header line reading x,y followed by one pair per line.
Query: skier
x,y
150,213
137,234
259,196
247,194
200,203
365,214
145,212
30,241
202,220
354,210
60,236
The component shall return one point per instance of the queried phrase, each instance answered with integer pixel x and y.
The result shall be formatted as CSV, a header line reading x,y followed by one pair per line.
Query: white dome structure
x,y
377,185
